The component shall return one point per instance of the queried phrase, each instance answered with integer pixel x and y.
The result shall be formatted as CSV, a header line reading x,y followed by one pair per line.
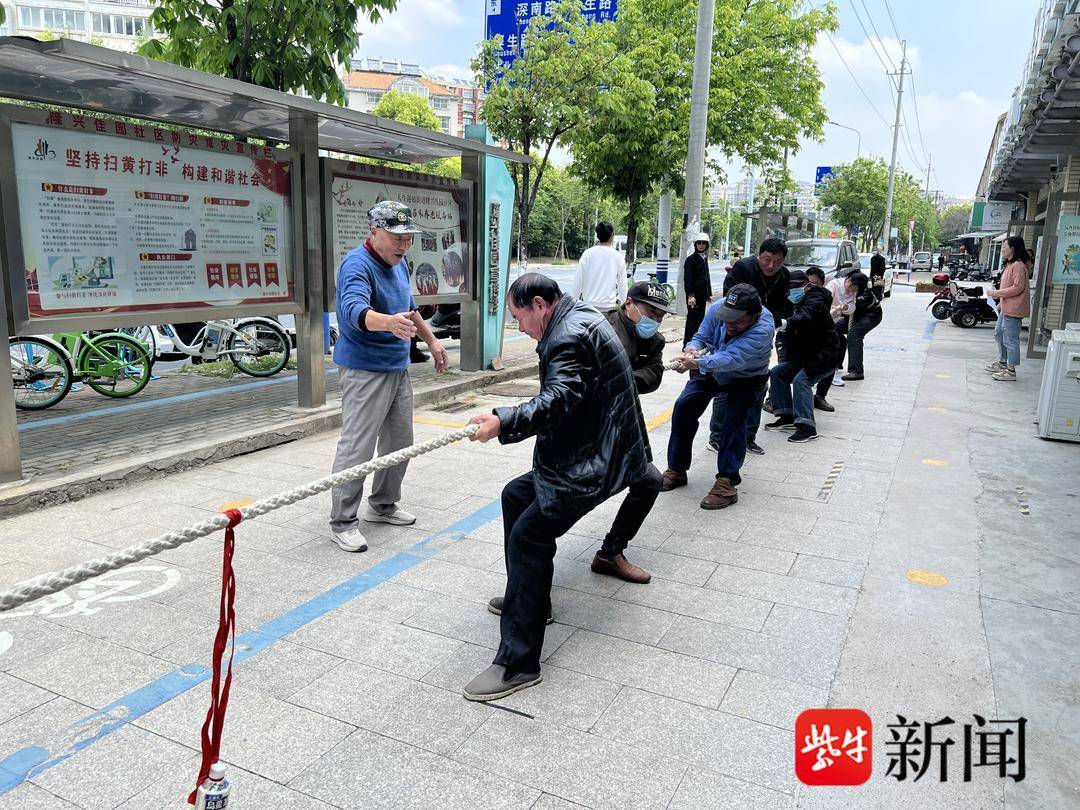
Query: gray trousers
x,y
376,410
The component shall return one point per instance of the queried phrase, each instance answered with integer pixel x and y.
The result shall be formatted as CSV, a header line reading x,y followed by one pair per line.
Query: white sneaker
x,y
399,517
351,540
836,379
995,367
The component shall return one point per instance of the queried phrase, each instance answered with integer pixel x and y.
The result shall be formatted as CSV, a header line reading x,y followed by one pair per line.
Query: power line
x,y
870,39
892,19
915,102
852,75
870,18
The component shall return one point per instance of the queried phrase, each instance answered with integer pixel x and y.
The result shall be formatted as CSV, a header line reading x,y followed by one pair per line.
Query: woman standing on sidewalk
x,y
1013,306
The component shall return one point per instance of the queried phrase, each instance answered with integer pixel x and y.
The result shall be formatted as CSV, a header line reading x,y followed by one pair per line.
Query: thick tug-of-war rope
x,y
59,580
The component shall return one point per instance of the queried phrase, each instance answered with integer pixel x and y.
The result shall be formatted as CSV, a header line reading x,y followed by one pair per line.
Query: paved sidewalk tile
x,y
700,789
701,603
626,662
269,737
388,704
731,745
787,590
371,771
572,765
771,700
806,660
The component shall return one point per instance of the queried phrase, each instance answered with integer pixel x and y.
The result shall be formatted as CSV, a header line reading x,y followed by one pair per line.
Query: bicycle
x,y
256,346
43,369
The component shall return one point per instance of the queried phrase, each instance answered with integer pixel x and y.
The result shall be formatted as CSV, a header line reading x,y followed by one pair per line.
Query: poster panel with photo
x,y
117,217
439,257
1066,265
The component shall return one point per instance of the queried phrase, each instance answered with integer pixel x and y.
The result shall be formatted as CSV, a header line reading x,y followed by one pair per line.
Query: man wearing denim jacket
x,y
730,354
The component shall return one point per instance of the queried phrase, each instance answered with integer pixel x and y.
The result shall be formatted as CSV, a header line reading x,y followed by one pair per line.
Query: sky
x,y
966,57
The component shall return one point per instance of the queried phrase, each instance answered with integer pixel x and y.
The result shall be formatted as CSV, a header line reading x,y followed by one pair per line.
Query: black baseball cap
x,y
798,278
651,294
742,299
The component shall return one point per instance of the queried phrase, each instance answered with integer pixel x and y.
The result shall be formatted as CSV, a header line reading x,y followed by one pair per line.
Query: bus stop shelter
x,y
88,87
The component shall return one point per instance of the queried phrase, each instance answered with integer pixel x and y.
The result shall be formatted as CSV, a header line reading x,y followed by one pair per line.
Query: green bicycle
x,y
43,369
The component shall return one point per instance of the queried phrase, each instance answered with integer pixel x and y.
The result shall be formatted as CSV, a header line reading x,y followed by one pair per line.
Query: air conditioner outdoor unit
x,y
1059,398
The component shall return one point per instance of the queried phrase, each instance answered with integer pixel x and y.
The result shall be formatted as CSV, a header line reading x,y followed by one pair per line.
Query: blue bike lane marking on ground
x,y
33,760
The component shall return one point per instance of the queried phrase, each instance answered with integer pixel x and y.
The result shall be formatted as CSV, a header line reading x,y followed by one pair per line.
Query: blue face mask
x,y
647,327
797,295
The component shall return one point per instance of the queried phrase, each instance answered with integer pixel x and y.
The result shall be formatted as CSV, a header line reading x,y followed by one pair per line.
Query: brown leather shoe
x,y
619,566
722,495
672,480
852,375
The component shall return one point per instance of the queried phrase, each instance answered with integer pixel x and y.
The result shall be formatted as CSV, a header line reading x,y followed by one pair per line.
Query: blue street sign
x,y
823,175
510,18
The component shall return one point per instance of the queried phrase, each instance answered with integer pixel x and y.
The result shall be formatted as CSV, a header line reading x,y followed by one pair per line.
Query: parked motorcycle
x,y
941,304
446,322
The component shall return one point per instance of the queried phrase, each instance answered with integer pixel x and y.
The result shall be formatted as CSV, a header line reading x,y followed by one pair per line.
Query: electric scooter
x,y
969,308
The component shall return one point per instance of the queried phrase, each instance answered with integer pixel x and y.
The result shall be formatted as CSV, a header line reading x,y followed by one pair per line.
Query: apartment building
x,y
117,24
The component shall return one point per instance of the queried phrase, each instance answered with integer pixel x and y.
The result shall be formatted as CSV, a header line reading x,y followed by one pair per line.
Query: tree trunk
x,y
633,217
524,211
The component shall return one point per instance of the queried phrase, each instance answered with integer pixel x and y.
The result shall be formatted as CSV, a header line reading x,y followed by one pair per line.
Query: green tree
x,y
286,45
954,221
856,196
408,109
411,109
764,93
561,63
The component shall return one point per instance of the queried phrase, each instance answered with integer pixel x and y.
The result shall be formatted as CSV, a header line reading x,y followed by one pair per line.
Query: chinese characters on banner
x,y
510,18
493,259
835,746
438,259
120,217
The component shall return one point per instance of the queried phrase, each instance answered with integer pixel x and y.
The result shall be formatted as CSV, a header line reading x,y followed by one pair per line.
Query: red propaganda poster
x,y
116,217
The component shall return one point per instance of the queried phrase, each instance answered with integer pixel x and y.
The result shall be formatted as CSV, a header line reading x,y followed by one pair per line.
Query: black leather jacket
x,y
590,435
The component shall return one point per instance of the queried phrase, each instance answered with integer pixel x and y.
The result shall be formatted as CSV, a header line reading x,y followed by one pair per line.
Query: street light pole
x,y
895,141
699,117
858,143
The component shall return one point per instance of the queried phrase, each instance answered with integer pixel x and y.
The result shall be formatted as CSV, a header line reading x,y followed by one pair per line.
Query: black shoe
x,y
753,447
417,356
822,404
495,605
803,433
784,422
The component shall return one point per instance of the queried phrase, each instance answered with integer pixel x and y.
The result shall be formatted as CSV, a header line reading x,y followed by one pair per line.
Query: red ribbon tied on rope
x,y
226,636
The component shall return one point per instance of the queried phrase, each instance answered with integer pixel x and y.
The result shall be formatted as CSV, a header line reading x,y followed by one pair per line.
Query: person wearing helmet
x,y
698,286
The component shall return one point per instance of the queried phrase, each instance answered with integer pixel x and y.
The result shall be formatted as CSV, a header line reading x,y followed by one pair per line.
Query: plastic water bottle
x,y
213,794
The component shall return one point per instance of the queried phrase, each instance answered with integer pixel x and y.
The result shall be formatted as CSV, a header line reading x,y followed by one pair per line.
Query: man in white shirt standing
x,y
601,275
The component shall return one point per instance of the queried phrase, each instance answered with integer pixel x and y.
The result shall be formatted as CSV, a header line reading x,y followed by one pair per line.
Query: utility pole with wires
x,y
903,71
926,194
695,157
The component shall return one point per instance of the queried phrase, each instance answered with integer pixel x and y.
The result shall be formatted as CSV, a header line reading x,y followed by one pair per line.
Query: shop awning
x,y
973,235
1001,237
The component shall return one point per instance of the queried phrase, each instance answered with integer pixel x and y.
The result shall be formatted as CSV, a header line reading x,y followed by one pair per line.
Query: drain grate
x,y
453,406
527,389
830,481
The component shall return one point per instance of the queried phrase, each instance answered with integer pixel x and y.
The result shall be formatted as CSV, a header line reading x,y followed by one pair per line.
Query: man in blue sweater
x,y
730,354
377,319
